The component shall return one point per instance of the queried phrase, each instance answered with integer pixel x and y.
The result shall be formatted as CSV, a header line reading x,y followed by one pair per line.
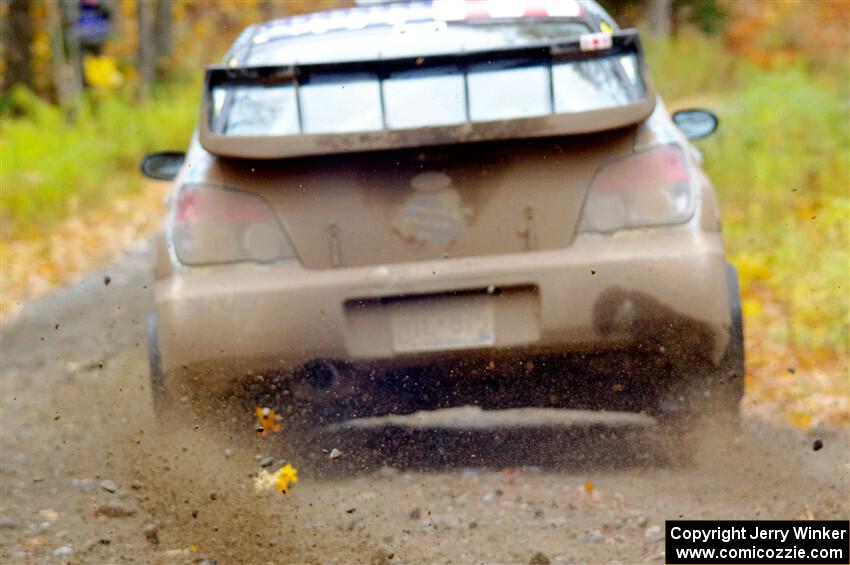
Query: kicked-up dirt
x,y
89,475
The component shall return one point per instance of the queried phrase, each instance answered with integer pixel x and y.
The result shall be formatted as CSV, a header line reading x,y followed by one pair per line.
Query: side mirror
x,y
696,123
163,165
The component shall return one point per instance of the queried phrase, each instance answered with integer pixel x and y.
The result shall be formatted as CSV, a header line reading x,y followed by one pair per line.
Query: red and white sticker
x,y
404,13
449,10
595,41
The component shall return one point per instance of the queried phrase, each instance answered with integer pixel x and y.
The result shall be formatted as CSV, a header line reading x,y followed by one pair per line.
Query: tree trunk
x,y
273,9
66,79
660,16
163,33
70,20
146,51
17,45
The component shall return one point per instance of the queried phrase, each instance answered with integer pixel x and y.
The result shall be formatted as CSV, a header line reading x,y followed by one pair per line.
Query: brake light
x,y
219,225
646,189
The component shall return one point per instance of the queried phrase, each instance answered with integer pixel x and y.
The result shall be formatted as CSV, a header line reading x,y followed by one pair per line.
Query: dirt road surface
x,y
88,476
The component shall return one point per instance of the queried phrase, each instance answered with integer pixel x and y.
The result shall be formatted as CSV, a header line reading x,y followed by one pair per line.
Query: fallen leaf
x,y
268,421
280,480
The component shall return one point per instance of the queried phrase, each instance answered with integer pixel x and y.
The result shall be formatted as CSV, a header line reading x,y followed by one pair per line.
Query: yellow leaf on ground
x,y
268,421
279,480
752,307
801,420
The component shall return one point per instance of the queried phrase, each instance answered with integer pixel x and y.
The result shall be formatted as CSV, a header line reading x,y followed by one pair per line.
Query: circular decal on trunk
x,y
434,213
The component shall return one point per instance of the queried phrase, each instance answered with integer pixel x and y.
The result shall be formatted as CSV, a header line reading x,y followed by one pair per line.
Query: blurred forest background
x,y
89,86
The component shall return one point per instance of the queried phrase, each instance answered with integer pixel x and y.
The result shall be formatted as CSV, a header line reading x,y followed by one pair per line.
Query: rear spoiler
x,y
586,47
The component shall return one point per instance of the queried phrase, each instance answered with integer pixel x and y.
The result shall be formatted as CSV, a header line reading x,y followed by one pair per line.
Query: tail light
x,y
650,188
220,225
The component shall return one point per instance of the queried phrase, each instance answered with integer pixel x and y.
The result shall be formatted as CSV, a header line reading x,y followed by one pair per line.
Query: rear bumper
x,y
664,289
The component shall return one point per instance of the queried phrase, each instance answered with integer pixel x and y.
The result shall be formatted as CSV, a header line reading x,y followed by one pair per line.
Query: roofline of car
x,y
593,14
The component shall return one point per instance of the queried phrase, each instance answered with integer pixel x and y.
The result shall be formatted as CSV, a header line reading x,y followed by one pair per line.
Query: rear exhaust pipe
x,y
321,374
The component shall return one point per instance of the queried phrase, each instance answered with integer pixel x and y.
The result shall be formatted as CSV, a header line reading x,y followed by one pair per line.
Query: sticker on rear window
x,y
595,41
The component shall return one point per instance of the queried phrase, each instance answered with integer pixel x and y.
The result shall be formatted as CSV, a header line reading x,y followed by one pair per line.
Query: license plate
x,y
443,324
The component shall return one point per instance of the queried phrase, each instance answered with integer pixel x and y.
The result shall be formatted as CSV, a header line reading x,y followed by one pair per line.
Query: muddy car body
x,y
360,243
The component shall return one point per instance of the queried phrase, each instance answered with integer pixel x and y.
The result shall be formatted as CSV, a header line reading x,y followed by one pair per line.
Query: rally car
x,y
423,205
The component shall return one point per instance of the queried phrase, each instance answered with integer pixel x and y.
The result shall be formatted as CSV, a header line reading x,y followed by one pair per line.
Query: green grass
x,y
49,167
781,164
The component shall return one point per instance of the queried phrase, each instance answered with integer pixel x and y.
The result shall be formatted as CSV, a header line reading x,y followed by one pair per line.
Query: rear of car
x,y
427,205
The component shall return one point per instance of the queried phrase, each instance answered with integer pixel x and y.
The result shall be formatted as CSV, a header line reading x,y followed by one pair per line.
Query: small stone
x,y
105,540
151,533
63,551
266,462
654,533
93,365
106,280
49,514
538,512
473,525
539,558
91,544
228,453
817,445
84,485
382,557
415,514
642,522
136,485
208,562
593,536
114,509
7,523
108,486
335,454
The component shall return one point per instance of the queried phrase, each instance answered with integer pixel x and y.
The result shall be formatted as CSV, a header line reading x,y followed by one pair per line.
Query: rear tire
x,y
712,396
733,365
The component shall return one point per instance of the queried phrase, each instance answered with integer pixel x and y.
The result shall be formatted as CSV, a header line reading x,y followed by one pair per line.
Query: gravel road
x,y
89,476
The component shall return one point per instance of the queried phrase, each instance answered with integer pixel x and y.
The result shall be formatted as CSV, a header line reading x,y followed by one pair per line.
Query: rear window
x,y
451,95
407,40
